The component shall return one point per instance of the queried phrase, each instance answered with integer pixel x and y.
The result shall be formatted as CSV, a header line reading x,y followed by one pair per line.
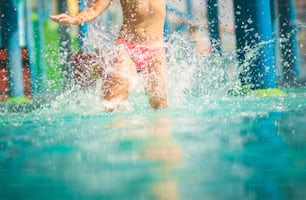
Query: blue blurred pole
x,y
176,12
31,45
240,16
167,29
288,43
274,21
83,28
10,37
262,70
189,9
21,23
213,25
188,16
274,35
181,27
254,31
0,32
273,18
41,46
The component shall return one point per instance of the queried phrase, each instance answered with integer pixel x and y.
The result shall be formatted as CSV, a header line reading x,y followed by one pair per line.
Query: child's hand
x,y
63,19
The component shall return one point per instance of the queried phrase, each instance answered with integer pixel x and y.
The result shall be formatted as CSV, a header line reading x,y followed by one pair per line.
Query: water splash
x,y
195,81
202,76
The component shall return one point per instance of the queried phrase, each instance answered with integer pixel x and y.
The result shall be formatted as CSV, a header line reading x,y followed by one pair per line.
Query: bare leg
x,y
115,83
156,80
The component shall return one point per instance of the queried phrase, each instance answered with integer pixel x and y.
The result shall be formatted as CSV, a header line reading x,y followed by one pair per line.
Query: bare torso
x,y
143,21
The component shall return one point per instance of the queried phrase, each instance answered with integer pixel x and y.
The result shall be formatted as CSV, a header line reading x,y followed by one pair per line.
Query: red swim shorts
x,y
141,55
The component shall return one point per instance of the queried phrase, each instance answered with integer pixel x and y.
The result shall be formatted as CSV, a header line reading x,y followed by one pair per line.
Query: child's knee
x,y
115,87
158,102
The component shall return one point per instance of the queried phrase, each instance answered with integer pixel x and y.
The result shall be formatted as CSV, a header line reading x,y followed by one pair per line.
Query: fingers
x,y
56,17
61,19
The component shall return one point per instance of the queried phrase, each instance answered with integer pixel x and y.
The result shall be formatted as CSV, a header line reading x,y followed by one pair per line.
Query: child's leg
x,y
115,82
155,74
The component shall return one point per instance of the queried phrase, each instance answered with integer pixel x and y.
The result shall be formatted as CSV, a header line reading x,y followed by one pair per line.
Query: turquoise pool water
x,y
209,148
206,145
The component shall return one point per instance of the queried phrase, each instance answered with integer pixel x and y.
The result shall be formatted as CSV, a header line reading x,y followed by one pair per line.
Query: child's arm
x,y
92,12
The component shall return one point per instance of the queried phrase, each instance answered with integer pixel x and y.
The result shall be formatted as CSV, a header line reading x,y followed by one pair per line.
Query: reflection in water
x,y
210,152
264,152
158,147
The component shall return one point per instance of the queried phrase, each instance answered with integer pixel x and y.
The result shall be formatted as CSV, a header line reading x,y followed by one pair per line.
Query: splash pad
x,y
208,144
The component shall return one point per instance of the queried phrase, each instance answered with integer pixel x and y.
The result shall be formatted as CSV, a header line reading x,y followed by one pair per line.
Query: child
x,y
141,35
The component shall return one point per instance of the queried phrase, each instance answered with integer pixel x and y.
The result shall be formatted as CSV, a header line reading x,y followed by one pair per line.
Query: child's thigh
x,y
117,78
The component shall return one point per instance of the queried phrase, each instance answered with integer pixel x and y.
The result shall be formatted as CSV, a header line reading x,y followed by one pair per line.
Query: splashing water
x,y
195,81
189,74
